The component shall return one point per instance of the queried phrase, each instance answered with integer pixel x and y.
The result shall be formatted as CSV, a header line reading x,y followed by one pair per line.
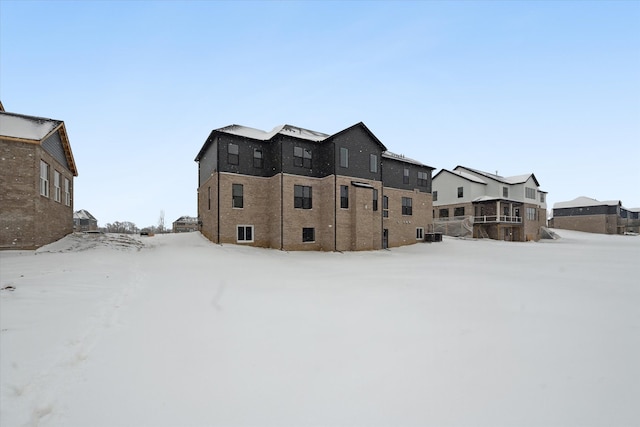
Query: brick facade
x,y
269,214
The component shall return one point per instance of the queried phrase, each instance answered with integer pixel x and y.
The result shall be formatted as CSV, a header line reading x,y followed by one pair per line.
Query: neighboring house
x,y
185,224
297,189
36,181
593,216
502,208
84,221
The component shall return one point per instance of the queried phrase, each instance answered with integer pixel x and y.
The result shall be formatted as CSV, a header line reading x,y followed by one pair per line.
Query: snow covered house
x,y
489,205
36,181
185,224
297,189
84,221
593,216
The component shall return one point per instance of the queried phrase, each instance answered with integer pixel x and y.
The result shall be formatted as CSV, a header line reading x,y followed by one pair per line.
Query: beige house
x,y
36,181
84,221
481,204
185,224
297,189
593,216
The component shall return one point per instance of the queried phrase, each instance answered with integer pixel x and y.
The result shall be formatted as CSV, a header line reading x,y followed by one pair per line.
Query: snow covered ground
x,y
172,330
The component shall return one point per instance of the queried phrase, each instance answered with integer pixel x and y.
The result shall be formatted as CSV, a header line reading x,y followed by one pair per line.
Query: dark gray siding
x,y
393,175
53,146
586,210
208,162
246,148
360,146
318,166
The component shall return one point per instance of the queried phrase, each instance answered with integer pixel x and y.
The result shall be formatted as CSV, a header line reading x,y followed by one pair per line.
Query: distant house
x,y
36,181
298,189
489,205
593,216
84,221
185,224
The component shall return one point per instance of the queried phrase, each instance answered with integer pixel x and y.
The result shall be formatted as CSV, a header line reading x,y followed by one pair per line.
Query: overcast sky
x,y
551,88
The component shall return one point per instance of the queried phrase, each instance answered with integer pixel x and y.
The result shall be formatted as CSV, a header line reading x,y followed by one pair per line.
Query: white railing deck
x,y
497,218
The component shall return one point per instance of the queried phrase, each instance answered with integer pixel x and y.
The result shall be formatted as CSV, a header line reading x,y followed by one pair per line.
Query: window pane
x,y
373,163
248,233
240,233
344,157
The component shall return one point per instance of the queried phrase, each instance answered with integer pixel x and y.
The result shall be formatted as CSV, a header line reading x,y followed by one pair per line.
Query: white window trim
x,y
67,192
44,180
421,230
56,186
252,233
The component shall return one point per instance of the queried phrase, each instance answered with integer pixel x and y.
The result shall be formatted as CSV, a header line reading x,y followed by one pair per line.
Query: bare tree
x,y
161,222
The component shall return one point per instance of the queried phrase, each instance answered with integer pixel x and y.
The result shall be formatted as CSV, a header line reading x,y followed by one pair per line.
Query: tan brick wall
x,y
208,208
402,228
27,219
588,223
359,227
532,228
319,217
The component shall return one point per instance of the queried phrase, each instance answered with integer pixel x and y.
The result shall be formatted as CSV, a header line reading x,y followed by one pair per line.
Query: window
x,y
308,234
531,214
302,197
344,157
530,193
67,192
258,160
460,192
237,194
375,200
505,191
423,178
344,197
419,233
407,208
245,233
373,163
56,186
233,156
541,197
405,176
444,213
44,179
458,211
302,157
435,196
209,197
385,206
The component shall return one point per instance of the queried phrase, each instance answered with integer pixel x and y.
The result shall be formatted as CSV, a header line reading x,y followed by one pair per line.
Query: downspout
x,y
381,208
281,200
335,201
218,190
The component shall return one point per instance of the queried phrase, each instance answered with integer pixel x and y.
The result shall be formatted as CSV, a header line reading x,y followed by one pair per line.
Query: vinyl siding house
x,y
297,189
593,216
489,205
36,181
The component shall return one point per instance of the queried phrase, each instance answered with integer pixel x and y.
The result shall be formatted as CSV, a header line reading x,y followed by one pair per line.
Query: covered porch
x,y
498,219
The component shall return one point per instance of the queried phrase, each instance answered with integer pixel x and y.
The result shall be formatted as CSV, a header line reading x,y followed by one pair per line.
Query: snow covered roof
x,y
401,158
516,179
464,175
187,218
83,214
26,127
582,201
261,135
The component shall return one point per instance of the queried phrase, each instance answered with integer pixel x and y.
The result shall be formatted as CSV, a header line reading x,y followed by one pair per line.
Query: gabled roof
x,y
493,199
517,179
462,174
31,129
582,201
366,129
83,214
187,218
402,158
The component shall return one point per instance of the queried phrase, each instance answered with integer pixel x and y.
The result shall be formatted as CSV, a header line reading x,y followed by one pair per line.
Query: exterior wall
x,y
320,216
446,184
589,223
27,219
258,209
402,228
468,209
358,227
208,208
19,189
532,227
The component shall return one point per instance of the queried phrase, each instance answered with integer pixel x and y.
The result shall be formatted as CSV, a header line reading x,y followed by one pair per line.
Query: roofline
x,y
361,124
499,178
453,173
